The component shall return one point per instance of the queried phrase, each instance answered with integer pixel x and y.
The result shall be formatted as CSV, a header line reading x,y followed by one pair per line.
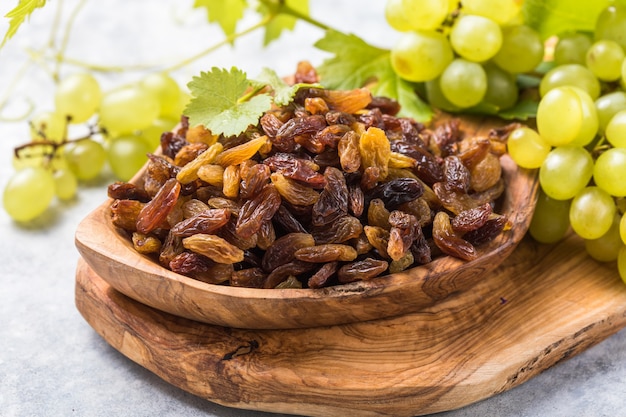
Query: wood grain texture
x,y
111,255
542,305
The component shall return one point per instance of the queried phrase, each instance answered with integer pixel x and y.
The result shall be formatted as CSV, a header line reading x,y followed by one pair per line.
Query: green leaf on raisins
x,y
283,92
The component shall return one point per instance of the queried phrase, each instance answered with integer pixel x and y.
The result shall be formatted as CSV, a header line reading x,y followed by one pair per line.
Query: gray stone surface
x,y
51,362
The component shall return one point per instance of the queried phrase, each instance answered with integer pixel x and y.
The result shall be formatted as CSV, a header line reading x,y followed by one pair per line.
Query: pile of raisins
x,y
330,189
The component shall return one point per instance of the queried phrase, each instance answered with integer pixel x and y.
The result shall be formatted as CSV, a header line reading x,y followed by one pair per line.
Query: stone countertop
x,y
51,362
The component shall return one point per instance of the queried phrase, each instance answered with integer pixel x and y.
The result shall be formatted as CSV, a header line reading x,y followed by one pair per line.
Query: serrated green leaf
x,y
18,14
281,22
554,17
218,102
225,12
354,62
283,92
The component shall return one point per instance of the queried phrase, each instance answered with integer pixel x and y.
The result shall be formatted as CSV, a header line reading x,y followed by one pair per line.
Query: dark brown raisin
x,y
155,212
333,200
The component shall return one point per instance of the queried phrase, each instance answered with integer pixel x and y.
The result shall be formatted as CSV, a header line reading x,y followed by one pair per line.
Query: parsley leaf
x,y
554,17
283,92
281,21
18,14
356,63
225,12
219,102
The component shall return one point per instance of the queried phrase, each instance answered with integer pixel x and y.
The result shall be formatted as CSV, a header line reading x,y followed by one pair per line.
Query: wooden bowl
x,y
111,255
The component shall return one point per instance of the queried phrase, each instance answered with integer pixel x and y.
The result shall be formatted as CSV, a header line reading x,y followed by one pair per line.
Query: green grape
x,y
521,50
127,110
85,158
396,16
550,220
464,83
591,213
78,96
48,125
615,131
166,91
604,59
500,11
570,75
425,14
126,155
622,228
435,97
572,49
475,38
65,183
28,193
609,172
152,134
606,247
421,56
502,89
527,148
608,105
621,263
560,116
611,24
565,171
590,123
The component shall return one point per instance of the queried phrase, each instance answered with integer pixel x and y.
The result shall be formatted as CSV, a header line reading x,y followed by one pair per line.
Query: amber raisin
x,y
363,270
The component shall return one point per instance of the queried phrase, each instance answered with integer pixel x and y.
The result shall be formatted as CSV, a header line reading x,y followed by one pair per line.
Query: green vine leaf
x,y
281,21
554,17
355,63
221,101
18,14
283,92
225,12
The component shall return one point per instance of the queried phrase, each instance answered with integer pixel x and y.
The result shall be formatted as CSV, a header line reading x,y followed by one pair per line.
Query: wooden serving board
x,y
544,304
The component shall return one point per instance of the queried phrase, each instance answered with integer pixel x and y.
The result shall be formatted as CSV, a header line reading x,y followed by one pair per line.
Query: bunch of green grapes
x,y
467,53
124,126
579,145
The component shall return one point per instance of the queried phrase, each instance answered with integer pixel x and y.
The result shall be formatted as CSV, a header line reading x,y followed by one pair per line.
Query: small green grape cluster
x,y
466,54
124,124
579,145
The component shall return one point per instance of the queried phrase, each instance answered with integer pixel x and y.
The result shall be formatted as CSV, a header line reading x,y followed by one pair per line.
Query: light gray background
x,y
51,362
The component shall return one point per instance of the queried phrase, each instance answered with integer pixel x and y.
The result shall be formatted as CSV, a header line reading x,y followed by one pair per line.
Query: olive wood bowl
x,y
110,254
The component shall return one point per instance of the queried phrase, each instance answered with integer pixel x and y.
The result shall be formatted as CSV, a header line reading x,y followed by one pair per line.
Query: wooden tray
x,y
544,304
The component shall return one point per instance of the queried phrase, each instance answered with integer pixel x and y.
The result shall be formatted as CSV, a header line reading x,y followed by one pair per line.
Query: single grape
x,y
606,247
550,220
604,59
560,116
126,155
78,96
572,48
421,56
527,148
622,228
475,38
85,158
570,75
464,83
521,50
500,11
65,183
591,213
565,172
28,193
615,131
166,91
425,14
609,172
608,105
611,24
621,263
48,125
396,16
502,89
127,110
